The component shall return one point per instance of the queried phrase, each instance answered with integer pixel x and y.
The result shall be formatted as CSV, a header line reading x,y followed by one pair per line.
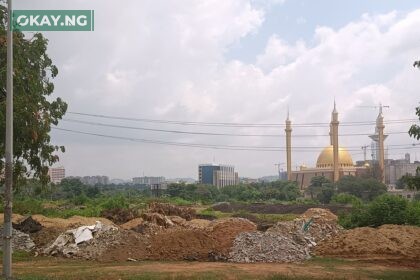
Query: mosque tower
x,y
334,139
288,131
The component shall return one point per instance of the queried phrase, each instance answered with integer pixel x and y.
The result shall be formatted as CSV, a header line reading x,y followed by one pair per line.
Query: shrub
x,y
385,209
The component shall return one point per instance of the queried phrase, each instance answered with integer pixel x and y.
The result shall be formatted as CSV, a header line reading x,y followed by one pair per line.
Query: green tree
x,y
317,184
364,188
34,110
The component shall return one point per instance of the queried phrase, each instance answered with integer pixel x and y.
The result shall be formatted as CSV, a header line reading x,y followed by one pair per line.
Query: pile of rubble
x,y
20,240
87,242
286,241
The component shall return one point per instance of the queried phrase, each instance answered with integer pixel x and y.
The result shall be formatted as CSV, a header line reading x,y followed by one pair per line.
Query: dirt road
x,y
53,268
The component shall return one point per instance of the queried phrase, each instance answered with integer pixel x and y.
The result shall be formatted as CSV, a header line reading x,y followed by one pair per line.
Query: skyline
x,y
244,61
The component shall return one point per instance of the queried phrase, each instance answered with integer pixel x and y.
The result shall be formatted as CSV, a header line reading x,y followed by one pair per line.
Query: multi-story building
x,y
217,175
148,181
56,174
395,169
92,180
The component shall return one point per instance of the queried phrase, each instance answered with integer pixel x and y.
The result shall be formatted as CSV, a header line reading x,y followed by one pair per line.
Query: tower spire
x,y
334,141
288,131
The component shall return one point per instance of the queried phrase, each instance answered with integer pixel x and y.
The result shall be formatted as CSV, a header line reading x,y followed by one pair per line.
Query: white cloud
x,y
165,59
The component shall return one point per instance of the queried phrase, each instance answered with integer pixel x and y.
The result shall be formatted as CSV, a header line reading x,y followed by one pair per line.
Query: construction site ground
x,y
171,242
29,268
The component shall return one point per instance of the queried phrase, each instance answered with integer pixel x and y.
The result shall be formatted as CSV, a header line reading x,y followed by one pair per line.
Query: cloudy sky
x,y
238,61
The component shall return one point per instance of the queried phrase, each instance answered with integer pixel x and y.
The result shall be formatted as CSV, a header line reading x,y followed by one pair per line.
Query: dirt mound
x,y
28,225
131,245
16,218
317,214
224,232
385,242
71,222
198,223
132,223
183,244
119,215
167,209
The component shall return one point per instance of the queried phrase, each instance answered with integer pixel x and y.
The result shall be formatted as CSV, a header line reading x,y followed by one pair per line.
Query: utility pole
x,y
8,199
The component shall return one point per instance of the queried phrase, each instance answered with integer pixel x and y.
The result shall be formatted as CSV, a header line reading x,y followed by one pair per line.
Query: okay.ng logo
x,y
53,20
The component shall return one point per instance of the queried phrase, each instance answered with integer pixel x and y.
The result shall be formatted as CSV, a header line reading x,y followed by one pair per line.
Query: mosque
x,y
334,161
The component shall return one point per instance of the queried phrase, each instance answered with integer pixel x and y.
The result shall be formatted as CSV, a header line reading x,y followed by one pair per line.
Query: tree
x,y
34,111
415,129
412,182
322,188
363,188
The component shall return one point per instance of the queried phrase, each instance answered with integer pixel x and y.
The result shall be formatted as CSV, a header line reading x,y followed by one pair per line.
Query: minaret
x,y
334,139
380,128
288,131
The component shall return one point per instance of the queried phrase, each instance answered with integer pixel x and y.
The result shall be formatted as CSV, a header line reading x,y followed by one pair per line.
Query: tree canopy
x,y
34,109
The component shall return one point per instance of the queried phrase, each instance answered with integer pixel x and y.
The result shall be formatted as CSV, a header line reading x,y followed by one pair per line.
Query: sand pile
x,y
385,242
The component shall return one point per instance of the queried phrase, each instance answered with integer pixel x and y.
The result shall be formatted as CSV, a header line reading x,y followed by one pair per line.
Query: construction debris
x,y
85,241
20,241
286,241
28,225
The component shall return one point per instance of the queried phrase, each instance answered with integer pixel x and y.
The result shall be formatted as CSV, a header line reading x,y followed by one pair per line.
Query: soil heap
x,y
385,242
167,209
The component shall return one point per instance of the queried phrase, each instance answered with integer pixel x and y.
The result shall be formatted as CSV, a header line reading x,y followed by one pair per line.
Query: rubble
x,y
267,247
20,240
28,225
290,241
85,241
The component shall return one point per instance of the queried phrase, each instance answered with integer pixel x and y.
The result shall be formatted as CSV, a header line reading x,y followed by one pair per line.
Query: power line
x,y
214,133
228,124
224,147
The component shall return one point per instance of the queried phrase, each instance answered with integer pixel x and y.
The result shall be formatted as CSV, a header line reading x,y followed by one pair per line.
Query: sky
x,y
230,61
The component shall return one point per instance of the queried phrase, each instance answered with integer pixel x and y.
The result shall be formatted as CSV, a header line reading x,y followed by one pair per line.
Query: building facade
x,y
148,181
395,169
217,175
56,174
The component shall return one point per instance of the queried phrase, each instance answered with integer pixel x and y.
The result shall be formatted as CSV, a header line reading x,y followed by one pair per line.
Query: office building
x,y
217,175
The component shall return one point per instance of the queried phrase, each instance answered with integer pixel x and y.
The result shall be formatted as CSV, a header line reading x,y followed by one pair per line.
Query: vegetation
x,y
34,109
385,209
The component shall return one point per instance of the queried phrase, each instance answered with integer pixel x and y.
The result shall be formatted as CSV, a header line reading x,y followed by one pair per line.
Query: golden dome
x,y
326,158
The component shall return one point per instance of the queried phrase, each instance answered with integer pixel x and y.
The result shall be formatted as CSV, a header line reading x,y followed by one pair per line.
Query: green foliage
x,y
345,198
385,209
115,203
415,129
364,188
412,182
35,111
279,190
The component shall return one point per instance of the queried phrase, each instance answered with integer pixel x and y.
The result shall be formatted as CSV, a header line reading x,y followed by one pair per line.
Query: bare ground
x,y
56,268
